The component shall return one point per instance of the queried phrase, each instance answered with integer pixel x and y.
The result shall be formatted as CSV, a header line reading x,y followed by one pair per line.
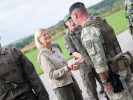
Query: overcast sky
x,y
20,18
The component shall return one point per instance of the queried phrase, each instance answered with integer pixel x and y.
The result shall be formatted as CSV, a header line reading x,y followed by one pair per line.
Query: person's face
x,y
75,19
45,38
71,25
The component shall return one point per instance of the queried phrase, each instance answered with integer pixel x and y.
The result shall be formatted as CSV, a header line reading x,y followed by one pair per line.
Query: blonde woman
x,y
55,66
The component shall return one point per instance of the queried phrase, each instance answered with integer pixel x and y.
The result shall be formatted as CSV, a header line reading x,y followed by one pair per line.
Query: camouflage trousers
x,y
129,81
130,26
127,93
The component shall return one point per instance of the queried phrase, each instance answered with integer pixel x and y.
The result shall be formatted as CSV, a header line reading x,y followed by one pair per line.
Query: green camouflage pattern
x,y
129,81
92,40
129,14
88,74
94,48
128,8
126,79
124,95
16,90
129,75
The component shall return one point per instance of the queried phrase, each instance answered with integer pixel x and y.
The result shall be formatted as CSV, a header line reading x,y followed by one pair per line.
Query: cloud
x,y
19,18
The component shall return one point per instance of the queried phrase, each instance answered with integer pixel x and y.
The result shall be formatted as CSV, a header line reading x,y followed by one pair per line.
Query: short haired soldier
x,y
74,46
129,14
104,50
18,77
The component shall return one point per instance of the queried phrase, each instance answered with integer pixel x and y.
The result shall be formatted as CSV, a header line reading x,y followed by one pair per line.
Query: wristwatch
x,y
104,82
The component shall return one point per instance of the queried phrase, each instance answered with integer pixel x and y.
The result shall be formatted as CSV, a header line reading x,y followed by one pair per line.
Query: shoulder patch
x,y
89,44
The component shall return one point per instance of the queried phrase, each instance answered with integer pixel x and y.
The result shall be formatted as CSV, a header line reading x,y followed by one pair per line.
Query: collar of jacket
x,y
90,18
75,32
46,50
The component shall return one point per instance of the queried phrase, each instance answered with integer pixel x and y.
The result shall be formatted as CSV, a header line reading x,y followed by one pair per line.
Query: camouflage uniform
x,y
18,77
129,13
88,74
92,40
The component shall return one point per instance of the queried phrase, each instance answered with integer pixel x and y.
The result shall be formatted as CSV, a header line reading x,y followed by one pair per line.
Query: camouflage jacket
x,y
128,7
33,81
92,40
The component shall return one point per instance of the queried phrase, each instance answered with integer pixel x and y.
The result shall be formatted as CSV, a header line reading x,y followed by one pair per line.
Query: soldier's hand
x,y
109,88
76,67
103,76
81,60
75,62
73,67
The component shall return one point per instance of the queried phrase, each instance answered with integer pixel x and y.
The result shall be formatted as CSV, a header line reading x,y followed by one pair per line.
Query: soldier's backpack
x,y
111,45
130,60
10,71
111,48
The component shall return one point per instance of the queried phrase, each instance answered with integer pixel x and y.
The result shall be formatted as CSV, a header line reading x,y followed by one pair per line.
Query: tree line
x,y
103,7
106,6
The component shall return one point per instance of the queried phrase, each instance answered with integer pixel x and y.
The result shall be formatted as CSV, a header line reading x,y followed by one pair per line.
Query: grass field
x,y
32,56
117,20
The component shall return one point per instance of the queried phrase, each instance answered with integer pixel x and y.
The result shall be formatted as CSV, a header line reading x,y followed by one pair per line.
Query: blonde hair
x,y
37,36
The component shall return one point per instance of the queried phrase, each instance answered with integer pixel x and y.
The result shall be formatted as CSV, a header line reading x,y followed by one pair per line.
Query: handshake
x,y
75,64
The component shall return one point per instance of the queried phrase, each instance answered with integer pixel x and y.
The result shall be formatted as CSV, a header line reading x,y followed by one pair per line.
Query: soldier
x,y
129,14
104,50
18,77
74,46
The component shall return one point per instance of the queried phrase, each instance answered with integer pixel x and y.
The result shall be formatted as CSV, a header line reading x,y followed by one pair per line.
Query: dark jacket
x,y
32,88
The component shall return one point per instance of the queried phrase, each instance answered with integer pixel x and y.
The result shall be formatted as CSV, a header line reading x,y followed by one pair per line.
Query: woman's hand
x,y
70,67
74,65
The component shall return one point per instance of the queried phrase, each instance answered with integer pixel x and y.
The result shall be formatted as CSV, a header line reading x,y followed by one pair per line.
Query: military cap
x,y
74,6
67,17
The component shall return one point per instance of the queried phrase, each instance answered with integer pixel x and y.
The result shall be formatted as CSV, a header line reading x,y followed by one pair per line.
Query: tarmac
x,y
126,43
